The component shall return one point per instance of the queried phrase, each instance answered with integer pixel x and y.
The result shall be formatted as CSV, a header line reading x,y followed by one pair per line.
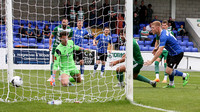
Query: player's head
x,y
64,37
80,24
106,31
164,24
122,34
144,28
156,27
64,23
29,25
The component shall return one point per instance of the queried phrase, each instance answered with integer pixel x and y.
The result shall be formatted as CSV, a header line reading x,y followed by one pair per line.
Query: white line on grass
x,y
155,108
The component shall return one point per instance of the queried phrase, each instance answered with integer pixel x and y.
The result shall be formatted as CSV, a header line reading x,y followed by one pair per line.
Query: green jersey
x,y
136,53
145,32
57,30
64,56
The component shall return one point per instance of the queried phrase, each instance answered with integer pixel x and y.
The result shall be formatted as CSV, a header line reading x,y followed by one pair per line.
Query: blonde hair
x,y
156,23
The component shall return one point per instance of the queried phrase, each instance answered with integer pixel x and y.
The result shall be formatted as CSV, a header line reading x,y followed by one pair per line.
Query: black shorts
x,y
173,61
102,56
78,55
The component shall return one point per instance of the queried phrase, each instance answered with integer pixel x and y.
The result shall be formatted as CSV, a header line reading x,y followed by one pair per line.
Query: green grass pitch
x,y
179,99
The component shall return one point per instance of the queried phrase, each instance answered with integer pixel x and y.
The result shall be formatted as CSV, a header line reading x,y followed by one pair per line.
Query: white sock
x,y
101,73
157,76
171,83
165,77
184,75
82,75
94,71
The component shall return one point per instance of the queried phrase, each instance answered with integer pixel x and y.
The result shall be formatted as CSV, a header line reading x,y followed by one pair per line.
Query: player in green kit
x,y
163,55
138,62
63,58
56,32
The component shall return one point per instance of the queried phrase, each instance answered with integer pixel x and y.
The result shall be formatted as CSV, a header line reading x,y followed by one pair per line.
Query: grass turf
x,y
179,98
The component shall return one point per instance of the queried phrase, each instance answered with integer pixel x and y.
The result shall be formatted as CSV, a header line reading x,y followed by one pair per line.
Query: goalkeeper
x,y
138,61
63,58
56,32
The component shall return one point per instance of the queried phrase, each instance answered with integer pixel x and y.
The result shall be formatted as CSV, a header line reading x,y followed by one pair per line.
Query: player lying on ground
x,y
138,61
63,58
175,54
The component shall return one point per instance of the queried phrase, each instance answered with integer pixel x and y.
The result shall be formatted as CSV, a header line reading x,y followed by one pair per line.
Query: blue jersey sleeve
x,y
98,37
163,40
111,42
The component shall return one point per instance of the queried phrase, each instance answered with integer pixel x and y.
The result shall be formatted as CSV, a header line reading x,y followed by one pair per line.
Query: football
x,y
17,81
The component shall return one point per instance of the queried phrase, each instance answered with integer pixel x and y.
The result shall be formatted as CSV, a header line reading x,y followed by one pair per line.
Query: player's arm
x,y
88,35
156,45
113,63
111,46
51,37
95,39
56,61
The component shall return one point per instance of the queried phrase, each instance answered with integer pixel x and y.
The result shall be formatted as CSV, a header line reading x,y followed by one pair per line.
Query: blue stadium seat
x,y
136,36
140,42
40,46
24,44
187,49
175,32
182,23
186,41
106,24
46,46
142,25
183,44
151,48
2,45
151,37
185,38
145,48
2,28
177,26
194,50
31,40
16,27
90,41
190,44
179,38
24,40
147,42
46,40
183,47
179,41
141,47
85,41
32,45
122,48
114,40
94,47
16,44
16,39
114,35
16,22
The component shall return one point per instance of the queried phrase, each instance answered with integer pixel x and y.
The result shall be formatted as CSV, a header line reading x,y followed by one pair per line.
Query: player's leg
x,y
103,63
137,76
97,63
120,75
51,72
81,65
76,75
157,79
165,54
172,63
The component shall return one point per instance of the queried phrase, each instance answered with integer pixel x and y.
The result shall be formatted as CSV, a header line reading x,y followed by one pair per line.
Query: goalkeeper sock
x,y
71,79
120,77
143,79
95,66
51,68
157,69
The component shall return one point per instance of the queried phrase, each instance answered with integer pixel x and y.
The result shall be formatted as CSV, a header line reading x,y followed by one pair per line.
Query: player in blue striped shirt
x,y
175,54
80,34
102,45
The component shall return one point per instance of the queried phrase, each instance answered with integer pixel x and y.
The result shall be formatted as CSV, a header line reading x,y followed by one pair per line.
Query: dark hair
x,y
149,5
63,33
22,24
29,23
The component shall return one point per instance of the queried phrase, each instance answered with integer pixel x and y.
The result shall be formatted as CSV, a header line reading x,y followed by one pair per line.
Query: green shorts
x,y
137,68
70,72
164,54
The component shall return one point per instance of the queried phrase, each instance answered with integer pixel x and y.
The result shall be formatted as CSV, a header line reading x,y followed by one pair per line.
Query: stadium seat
x,y
2,28
114,40
194,50
190,44
177,26
136,36
90,41
32,45
99,21
24,40
40,46
146,48
114,35
16,27
151,37
179,38
46,40
16,44
181,23
140,42
142,25
175,32
187,49
24,44
31,40
2,45
183,44
183,47
185,38
122,48
46,46
147,42
85,41
151,48
186,41
94,47
16,40
179,41
141,47
106,24
16,22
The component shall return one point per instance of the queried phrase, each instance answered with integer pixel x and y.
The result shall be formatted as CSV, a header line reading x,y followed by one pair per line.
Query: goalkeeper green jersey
x,y
63,57
56,32
136,53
